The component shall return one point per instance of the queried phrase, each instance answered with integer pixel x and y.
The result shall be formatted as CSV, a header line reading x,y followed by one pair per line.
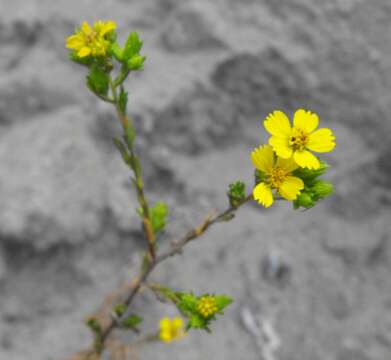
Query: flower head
x,y
171,329
296,141
277,176
207,306
92,41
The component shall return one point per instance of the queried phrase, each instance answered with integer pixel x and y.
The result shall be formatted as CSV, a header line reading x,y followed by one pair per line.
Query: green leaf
x,y
94,325
98,80
119,309
159,215
222,301
236,193
133,46
123,151
117,52
309,175
136,62
259,176
123,100
86,61
188,303
132,321
196,322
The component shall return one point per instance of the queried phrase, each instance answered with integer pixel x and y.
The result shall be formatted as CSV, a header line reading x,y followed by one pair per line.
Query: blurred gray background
x,y
312,285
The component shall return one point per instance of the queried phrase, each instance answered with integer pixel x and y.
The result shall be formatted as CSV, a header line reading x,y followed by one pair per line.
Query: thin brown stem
x,y
175,249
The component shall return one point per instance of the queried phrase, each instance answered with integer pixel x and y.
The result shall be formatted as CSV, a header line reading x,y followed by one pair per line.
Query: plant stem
x,y
138,181
175,249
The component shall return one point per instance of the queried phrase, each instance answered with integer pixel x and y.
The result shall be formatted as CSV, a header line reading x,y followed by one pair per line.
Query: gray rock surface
x,y
311,285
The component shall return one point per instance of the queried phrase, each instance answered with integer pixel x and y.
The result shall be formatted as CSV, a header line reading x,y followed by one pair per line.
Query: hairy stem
x,y
138,181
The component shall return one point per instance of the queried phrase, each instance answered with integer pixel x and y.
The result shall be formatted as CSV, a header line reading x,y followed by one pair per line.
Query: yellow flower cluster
x,y
207,306
289,148
92,40
171,329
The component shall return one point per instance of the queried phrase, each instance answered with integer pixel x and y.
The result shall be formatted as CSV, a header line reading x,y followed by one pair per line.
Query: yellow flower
x,y
296,141
91,40
171,329
278,176
207,306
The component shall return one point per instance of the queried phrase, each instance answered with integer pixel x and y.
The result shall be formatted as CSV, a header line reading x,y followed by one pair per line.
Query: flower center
x,y
91,37
298,139
277,177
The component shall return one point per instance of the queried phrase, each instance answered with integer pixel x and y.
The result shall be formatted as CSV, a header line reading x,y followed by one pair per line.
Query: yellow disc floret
x,y
92,40
171,329
207,306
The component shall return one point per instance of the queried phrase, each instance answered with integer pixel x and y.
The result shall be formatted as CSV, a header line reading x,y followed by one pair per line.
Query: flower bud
x,y
322,188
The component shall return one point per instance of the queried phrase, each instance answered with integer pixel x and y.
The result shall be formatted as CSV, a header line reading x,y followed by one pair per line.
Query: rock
x,y
197,120
348,353
59,184
190,28
260,83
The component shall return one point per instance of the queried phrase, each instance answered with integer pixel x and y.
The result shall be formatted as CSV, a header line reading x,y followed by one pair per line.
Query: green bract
x,y
236,193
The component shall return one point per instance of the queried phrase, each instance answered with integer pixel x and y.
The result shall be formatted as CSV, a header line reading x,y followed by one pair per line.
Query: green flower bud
x,y
305,200
322,188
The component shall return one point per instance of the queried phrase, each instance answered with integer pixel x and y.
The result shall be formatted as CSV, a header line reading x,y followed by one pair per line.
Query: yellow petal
x,y
322,140
85,27
277,123
305,120
165,336
165,323
75,42
177,323
281,146
262,158
288,165
263,194
84,51
106,27
291,187
306,159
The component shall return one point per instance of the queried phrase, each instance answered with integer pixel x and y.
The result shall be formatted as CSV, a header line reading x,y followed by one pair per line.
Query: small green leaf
x,y
196,322
117,52
136,62
98,80
133,46
309,175
123,151
94,325
236,193
119,309
259,176
159,215
123,100
222,301
132,321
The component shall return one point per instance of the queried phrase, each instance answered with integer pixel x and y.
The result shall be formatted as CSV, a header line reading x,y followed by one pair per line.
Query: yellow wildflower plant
x,y
92,40
171,329
296,141
207,306
278,176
